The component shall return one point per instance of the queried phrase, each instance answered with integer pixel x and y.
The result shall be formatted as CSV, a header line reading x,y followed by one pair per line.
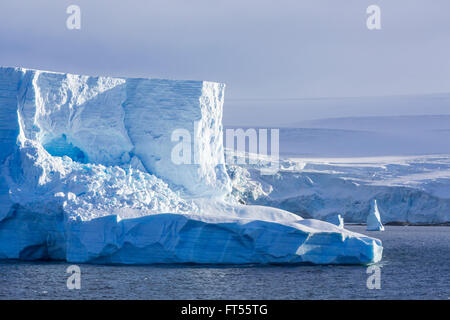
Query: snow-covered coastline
x,y
340,165
411,190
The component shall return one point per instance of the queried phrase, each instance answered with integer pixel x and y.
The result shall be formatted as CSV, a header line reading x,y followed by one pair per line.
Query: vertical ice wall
x,y
118,121
10,80
154,108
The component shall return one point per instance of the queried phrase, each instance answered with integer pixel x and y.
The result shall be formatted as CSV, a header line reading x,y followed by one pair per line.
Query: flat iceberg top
x,y
22,69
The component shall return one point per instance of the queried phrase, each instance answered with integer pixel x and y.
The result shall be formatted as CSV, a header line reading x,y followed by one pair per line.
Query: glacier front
x,y
87,176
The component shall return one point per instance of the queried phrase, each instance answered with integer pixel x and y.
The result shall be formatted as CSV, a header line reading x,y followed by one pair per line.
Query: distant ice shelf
x,y
87,176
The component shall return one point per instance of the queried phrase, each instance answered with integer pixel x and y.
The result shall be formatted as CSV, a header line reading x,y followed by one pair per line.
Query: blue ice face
x,y
60,147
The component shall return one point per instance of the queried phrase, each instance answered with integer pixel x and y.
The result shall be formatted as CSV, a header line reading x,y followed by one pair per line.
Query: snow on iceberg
x,y
87,177
218,239
374,219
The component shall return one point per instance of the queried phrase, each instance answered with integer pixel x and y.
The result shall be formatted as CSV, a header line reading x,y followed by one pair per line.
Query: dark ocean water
x,y
415,265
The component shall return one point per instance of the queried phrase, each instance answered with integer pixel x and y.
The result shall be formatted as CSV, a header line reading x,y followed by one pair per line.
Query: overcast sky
x,y
261,49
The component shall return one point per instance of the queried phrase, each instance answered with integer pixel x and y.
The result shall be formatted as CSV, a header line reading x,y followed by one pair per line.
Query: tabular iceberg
x,y
87,176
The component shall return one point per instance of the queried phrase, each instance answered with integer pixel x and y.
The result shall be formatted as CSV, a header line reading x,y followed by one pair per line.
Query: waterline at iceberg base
x,y
87,176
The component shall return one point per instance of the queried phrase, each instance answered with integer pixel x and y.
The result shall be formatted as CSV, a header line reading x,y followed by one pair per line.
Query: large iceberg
x,y
87,176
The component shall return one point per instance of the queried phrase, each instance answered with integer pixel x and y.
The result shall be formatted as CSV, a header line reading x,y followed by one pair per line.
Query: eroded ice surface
x,y
87,176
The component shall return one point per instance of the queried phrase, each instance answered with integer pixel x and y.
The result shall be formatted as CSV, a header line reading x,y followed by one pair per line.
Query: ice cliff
x,y
87,176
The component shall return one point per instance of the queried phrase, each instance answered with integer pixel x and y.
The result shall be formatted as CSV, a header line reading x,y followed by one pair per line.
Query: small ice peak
x,y
337,220
374,219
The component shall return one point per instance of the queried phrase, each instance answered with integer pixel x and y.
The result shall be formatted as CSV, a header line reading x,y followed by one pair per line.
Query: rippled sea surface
x,y
415,265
